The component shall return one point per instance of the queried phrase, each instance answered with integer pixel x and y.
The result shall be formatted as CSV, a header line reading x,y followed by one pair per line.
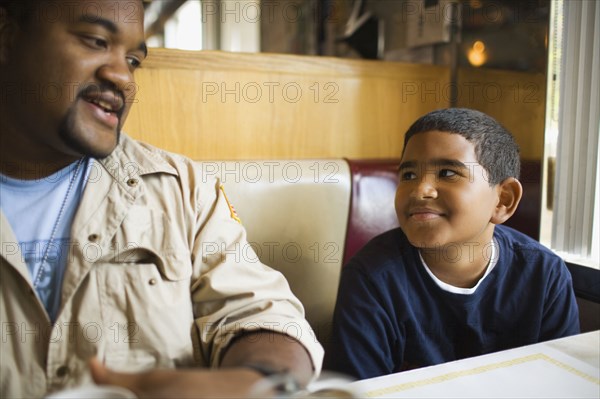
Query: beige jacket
x,y
159,275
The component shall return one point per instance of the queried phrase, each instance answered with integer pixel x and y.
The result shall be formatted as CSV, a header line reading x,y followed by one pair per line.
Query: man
x,y
102,237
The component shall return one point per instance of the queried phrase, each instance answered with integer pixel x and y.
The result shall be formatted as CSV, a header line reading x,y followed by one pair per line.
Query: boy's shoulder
x,y
390,249
521,245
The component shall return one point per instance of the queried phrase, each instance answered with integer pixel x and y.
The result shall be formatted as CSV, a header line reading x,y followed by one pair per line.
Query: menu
x,y
536,371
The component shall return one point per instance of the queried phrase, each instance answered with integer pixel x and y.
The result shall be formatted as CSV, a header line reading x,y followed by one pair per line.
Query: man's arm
x,y
237,376
271,350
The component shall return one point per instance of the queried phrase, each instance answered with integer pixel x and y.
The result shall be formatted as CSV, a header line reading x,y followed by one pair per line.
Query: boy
x,y
450,282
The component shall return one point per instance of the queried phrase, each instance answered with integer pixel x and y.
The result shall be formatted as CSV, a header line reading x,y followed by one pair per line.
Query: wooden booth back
x,y
219,105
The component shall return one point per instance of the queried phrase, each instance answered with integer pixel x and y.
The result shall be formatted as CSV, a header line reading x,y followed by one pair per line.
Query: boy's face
x,y
443,197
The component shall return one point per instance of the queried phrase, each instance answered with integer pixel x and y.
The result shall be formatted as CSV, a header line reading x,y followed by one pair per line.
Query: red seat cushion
x,y
372,201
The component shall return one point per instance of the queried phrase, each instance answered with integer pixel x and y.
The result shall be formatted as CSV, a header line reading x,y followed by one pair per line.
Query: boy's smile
x,y
444,199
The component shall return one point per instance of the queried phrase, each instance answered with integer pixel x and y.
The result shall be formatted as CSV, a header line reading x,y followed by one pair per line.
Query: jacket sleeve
x,y
232,291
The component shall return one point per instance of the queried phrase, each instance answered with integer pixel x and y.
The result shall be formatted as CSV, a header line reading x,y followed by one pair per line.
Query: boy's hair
x,y
495,148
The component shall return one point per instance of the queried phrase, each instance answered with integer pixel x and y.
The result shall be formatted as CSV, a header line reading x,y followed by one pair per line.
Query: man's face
x,y
69,74
444,197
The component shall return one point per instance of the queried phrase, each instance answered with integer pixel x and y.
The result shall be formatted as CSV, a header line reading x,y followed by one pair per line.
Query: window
x,y
572,207
184,29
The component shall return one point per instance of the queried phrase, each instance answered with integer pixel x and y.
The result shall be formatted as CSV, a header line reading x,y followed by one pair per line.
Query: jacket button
x,y
132,182
62,371
152,281
93,237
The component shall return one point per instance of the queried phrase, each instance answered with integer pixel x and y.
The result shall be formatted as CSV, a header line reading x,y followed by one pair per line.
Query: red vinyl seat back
x,y
372,201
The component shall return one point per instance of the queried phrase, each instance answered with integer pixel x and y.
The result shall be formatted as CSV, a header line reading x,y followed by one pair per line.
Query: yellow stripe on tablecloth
x,y
479,370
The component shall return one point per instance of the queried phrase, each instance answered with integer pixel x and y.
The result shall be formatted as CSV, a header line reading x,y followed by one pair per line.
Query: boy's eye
x,y
407,176
447,173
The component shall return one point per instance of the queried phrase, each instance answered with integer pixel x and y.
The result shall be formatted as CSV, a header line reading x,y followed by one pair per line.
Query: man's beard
x,y
66,132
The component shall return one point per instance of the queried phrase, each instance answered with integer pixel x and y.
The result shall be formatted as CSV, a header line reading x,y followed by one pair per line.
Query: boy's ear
x,y
509,195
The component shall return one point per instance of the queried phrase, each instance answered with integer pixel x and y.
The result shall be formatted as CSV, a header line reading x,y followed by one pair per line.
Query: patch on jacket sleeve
x,y
232,211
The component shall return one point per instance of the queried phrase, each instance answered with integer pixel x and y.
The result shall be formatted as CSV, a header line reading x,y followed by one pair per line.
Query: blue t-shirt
x,y
390,315
32,208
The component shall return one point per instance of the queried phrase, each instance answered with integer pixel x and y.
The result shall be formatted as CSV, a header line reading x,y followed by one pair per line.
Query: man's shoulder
x,y
149,154
135,157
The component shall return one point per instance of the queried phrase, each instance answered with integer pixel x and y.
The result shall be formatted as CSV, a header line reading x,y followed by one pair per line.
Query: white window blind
x,y
575,229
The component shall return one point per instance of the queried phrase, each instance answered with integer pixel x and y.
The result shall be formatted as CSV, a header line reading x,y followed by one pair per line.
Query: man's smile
x,y
107,106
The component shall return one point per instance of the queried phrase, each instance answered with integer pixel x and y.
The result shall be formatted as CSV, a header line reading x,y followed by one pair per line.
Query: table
x,y
563,368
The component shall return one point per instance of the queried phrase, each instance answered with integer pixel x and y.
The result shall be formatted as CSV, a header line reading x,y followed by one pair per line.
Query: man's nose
x,y
117,71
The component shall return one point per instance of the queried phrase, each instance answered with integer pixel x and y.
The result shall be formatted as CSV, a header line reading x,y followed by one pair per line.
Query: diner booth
x,y
307,142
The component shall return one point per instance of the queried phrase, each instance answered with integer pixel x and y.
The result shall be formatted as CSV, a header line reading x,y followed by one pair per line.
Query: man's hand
x,y
191,383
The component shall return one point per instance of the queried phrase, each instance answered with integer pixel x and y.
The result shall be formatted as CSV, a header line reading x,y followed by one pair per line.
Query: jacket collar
x,y
131,158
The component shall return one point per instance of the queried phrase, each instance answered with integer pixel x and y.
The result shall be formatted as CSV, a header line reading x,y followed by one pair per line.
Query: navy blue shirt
x,y
390,314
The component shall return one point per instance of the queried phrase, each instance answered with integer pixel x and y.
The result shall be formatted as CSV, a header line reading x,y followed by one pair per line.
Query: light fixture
x,y
477,55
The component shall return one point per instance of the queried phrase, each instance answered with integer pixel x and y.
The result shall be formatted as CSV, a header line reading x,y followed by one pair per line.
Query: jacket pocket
x,y
172,266
147,236
147,308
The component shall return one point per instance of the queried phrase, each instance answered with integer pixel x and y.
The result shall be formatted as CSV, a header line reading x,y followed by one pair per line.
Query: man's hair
x,y
495,148
21,10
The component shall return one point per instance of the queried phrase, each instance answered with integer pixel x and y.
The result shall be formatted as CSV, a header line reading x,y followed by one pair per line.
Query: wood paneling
x,y
515,99
218,105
